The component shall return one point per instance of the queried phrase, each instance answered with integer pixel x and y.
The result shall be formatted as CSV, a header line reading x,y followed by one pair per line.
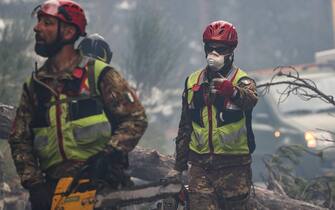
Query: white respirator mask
x,y
215,62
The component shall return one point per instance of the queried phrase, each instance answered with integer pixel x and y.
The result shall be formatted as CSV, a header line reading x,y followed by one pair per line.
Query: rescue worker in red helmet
x,y
71,112
215,135
65,12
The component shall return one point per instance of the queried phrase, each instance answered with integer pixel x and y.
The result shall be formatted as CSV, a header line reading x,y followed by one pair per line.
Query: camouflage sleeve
x,y
246,97
128,117
21,144
183,138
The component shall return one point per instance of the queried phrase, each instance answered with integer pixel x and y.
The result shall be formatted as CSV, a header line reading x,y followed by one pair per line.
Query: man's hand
x,y
41,196
222,86
109,155
109,165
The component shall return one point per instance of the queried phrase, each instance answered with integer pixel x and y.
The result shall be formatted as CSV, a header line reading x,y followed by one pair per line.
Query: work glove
x,y
40,196
108,165
107,156
222,86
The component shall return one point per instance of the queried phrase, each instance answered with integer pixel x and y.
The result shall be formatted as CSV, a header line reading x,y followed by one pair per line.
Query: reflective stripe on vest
x,y
230,138
76,139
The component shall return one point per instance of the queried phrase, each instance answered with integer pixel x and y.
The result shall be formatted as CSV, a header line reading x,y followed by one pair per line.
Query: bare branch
x,y
304,88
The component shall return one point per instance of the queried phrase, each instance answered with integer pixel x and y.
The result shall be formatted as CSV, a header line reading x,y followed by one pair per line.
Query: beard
x,y
48,50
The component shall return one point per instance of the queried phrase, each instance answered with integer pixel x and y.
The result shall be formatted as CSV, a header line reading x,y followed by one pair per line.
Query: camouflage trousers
x,y
219,189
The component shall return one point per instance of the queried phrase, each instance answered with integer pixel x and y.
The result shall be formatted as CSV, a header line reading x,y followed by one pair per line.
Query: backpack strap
x,y
91,78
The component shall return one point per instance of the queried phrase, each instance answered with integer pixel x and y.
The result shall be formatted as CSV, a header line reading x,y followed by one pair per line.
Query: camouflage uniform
x,y
216,181
129,121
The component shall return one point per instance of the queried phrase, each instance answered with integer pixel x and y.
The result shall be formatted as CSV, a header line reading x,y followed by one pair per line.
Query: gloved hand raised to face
x,y
222,86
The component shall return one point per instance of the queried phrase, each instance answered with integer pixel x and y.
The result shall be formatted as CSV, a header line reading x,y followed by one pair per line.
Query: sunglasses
x,y
221,50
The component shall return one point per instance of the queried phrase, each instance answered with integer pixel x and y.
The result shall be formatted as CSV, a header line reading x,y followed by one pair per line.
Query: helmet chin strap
x,y
60,41
57,44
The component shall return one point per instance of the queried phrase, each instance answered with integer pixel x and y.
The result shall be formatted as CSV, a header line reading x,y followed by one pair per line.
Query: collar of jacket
x,y
46,70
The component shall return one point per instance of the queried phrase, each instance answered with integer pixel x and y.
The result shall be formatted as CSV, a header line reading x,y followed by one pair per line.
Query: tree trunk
x,y
264,199
149,165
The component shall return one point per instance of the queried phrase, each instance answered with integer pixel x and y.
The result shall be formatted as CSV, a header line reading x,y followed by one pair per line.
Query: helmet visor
x,y
52,8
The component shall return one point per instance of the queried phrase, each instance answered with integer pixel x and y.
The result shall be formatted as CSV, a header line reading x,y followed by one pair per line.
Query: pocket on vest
x,y
91,133
84,108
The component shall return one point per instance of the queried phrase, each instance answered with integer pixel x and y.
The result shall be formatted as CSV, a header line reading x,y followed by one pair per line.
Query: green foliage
x,y
282,165
153,52
15,65
154,46
14,59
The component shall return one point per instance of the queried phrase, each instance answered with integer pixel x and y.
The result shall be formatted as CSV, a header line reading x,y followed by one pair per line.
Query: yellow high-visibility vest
x,y
76,137
218,128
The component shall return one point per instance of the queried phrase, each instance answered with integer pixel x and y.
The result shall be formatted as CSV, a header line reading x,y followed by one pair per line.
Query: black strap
x,y
250,133
91,78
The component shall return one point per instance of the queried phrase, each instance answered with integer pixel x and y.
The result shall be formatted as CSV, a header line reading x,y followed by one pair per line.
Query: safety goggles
x,y
222,50
52,8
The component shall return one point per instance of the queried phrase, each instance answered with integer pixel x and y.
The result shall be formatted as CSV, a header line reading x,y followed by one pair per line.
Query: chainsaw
x,y
72,194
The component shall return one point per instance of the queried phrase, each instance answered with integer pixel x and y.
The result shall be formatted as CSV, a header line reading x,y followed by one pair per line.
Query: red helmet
x,y
65,10
221,31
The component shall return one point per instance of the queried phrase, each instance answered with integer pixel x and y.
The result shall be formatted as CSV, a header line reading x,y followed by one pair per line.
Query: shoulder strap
x,y
193,83
91,78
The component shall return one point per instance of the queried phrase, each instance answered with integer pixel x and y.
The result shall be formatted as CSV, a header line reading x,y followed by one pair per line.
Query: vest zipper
x,y
207,99
210,122
59,127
